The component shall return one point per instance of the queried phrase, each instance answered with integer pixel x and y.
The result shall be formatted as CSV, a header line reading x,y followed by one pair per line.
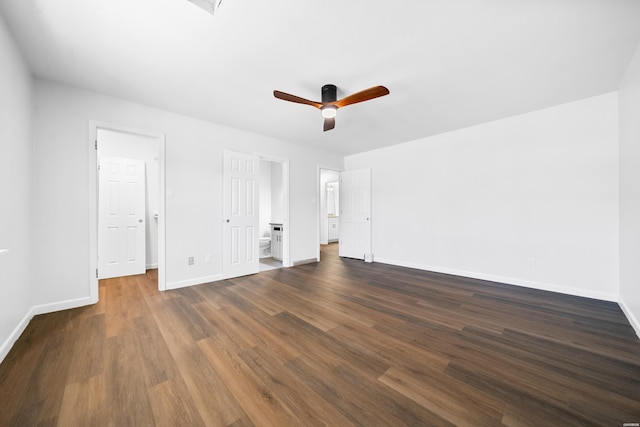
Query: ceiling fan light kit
x,y
330,104
329,111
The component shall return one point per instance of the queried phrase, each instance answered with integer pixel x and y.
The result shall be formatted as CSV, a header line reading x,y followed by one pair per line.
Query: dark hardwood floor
x,y
336,343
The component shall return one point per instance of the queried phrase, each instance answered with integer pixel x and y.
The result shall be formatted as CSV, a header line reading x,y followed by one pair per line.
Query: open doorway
x,y
272,214
329,207
118,148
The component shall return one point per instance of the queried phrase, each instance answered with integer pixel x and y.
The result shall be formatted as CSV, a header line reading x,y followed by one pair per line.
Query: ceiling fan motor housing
x,y
329,93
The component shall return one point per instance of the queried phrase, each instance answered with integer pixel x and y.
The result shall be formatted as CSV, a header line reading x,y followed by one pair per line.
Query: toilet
x,y
265,247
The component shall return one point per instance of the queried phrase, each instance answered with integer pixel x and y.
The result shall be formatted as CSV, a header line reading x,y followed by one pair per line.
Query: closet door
x,y
355,214
121,216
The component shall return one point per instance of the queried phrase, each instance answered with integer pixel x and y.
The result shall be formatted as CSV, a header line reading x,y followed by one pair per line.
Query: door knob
x,y
140,220
228,220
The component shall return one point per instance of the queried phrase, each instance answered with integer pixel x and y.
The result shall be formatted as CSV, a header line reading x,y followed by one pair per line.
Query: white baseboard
x,y
216,278
195,281
61,305
15,334
151,266
635,324
604,296
35,310
305,261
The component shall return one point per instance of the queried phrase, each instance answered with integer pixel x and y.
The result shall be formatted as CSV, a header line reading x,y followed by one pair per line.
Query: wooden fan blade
x,y
297,99
329,123
365,95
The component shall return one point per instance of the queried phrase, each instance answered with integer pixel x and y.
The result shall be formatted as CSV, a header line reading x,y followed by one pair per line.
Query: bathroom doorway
x,y
329,207
273,245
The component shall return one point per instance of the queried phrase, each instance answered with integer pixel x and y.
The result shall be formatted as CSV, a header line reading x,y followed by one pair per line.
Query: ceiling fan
x,y
329,105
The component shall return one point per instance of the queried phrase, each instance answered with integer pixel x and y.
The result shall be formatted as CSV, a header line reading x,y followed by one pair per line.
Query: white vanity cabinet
x,y
276,241
334,230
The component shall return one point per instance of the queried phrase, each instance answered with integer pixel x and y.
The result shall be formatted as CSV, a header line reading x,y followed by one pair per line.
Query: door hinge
x,y
96,144
96,273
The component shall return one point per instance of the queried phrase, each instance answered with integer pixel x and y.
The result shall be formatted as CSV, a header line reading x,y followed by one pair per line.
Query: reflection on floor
x,y
269,264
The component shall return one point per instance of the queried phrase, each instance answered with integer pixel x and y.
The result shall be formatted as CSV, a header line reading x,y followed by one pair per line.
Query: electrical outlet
x,y
531,262
207,259
191,260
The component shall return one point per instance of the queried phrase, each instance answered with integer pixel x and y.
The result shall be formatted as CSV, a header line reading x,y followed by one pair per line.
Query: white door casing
x,y
240,214
121,216
355,215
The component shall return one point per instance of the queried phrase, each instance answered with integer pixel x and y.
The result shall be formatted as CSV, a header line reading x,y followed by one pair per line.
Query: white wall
x,y
15,191
529,200
193,155
277,193
629,98
265,198
333,198
271,196
122,144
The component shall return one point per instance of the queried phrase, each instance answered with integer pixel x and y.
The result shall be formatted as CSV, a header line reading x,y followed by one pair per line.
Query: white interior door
x,y
241,216
121,215
355,215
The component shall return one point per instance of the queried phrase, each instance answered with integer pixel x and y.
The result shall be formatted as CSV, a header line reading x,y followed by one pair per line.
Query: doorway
x,y
329,207
272,243
349,194
117,142
274,213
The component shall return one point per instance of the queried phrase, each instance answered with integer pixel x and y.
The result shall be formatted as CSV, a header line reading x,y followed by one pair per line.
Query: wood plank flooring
x,y
337,343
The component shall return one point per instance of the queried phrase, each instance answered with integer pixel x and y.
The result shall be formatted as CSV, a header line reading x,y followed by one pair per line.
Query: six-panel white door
x,y
355,214
241,216
121,216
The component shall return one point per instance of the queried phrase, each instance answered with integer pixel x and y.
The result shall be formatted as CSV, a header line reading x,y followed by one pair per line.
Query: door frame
x,y
320,168
286,243
93,202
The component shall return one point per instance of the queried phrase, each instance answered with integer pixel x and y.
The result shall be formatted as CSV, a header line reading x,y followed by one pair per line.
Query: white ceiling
x,y
448,63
